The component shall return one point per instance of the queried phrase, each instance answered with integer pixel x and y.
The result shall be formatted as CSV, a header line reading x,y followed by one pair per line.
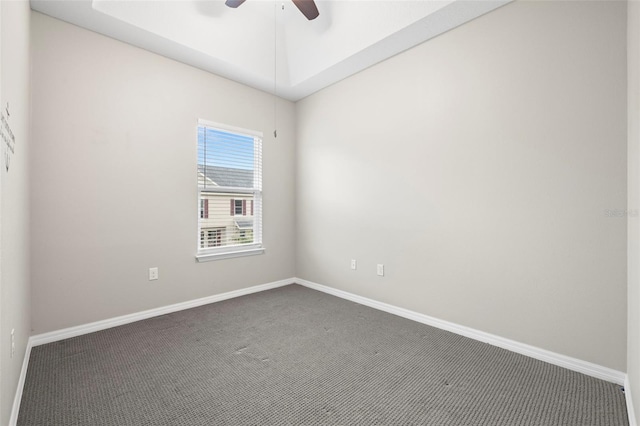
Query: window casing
x,y
229,170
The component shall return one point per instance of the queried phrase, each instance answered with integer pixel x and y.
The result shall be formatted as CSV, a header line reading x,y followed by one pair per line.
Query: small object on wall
x,y
153,274
13,342
8,138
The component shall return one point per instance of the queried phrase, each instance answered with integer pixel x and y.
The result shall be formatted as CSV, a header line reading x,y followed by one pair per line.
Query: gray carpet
x,y
294,356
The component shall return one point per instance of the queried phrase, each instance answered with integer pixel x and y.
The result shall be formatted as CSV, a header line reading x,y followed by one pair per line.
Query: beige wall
x,y
15,310
633,179
114,170
486,169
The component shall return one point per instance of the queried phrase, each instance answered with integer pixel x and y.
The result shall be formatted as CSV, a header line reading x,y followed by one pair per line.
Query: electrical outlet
x,y
354,264
13,342
380,269
153,274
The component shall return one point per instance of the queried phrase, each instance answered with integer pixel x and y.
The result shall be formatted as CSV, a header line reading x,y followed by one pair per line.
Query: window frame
x,y
231,251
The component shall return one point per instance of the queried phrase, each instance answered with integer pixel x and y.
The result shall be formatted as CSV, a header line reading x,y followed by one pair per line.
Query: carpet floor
x,y
295,356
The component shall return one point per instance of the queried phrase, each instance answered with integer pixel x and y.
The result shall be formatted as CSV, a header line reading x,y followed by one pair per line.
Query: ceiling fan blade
x,y
234,3
307,7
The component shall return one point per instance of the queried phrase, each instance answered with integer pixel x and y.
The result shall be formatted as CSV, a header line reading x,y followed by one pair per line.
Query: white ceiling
x,y
262,38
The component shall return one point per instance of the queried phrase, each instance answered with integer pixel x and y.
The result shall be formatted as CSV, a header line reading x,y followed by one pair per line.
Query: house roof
x,y
244,223
226,176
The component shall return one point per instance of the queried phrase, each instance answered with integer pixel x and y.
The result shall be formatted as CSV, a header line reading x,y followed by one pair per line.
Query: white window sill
x,y
207,257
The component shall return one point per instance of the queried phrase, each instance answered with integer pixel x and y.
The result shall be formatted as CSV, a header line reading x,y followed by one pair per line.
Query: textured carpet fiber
x,y
295,356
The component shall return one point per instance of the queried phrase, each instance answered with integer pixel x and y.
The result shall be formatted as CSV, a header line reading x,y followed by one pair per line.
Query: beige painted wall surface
x,y
633,179
481,168
14,214
114,178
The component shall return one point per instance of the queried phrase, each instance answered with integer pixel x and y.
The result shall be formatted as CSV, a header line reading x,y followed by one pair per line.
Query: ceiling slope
x,y
270,45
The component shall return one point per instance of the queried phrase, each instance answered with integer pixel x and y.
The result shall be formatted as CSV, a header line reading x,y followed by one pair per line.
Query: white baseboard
x,y
570,363
574,364
54,336
630,409
15,409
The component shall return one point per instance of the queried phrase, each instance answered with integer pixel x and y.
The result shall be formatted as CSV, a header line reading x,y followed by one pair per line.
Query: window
x,y
229,179
204,208
237,207
241,207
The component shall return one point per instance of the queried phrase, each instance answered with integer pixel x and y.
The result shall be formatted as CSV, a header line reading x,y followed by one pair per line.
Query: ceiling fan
x,y
307,7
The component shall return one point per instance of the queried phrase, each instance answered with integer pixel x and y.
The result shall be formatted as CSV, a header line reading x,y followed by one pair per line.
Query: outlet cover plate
x,y
153,274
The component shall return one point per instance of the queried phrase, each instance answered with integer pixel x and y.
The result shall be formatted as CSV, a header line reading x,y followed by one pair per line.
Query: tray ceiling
x,y
264,39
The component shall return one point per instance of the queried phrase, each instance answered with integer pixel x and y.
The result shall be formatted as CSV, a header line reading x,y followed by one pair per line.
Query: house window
x,y
204,208
229,175
237,207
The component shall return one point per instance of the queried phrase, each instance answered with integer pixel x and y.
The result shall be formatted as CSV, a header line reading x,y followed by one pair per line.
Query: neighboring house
x,y
226,218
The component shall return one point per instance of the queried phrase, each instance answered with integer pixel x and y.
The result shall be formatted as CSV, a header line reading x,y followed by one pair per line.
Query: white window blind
x,y
230,191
